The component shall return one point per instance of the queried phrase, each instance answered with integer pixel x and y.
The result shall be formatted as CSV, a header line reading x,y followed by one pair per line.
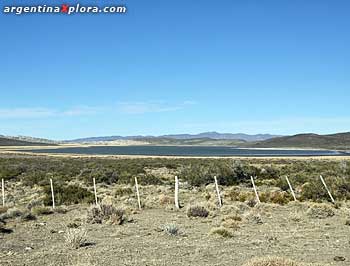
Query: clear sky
x,y
279,67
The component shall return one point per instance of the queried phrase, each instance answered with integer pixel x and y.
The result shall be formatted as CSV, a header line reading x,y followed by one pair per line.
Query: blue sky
x,y
279,67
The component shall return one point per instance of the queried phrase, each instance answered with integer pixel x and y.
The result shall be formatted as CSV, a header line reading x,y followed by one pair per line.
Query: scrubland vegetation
x,y
78,226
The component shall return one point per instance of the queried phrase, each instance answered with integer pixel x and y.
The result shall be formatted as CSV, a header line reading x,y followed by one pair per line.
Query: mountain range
x,y
339,141
205,135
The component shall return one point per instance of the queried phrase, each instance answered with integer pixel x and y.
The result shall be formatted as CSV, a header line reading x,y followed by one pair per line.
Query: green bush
x,y
68,194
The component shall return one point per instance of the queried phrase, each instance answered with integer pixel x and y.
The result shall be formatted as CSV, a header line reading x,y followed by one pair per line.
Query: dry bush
x,y
105,213
237,195
271,261
231,221
35,203
166,200
232,224
296,217
60,209
42,210
320,211
171,229
254,217
277,197
28,216
3,209
76,237
197,211
13,213
229,209
123,191
221,231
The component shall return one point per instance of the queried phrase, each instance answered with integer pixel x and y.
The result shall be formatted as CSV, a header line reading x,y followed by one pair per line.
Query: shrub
x,y
320,211
276,197
60,209
105,213
28,216
13,213
76,237
231,221
171,229
197,211
166,200
35,203
315,191
4,230
42,210
68,194
123,191
3,209
73,225
221,231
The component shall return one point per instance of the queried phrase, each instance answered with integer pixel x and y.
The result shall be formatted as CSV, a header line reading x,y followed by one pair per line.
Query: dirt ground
x,y
286,231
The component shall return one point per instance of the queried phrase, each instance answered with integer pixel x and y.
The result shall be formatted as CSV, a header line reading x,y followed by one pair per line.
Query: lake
x,y
186,151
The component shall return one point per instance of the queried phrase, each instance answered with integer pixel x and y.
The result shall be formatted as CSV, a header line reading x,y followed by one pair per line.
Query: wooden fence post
x,y
329,193
52,194
95,190
291,188
256,192
3,191
138,193
217,191
177,205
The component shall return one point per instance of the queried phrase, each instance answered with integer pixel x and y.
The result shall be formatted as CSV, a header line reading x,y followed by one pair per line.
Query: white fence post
x,y
177,205
217,191
138,193
291,188
95,190
3,191
329,193
52,194
256,192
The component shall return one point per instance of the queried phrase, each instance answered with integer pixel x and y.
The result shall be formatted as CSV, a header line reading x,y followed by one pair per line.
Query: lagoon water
x,y
186,151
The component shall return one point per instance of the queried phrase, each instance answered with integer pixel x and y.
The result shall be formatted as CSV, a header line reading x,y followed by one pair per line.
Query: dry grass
x,y
271,261
3,209
231,221
320,211
220,231
105,213
76,237
42,210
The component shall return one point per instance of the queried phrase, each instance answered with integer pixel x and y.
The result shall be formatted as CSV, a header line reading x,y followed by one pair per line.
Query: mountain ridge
x,y
204,135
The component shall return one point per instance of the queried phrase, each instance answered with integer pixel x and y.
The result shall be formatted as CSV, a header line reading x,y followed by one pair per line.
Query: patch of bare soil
x,y
285,231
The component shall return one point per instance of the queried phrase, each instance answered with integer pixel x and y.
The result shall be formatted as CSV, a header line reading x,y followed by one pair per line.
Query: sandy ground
x,y
141,241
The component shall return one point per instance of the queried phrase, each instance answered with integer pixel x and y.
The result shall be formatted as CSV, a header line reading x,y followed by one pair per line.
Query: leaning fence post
x,y
177,205
3,191
256,192
217,191
52,194
95,190
138,193
329,193
291,188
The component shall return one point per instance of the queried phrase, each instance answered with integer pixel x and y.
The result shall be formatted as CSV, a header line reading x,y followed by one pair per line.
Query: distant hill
x,y
206,135
5,141
339,141
197,141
